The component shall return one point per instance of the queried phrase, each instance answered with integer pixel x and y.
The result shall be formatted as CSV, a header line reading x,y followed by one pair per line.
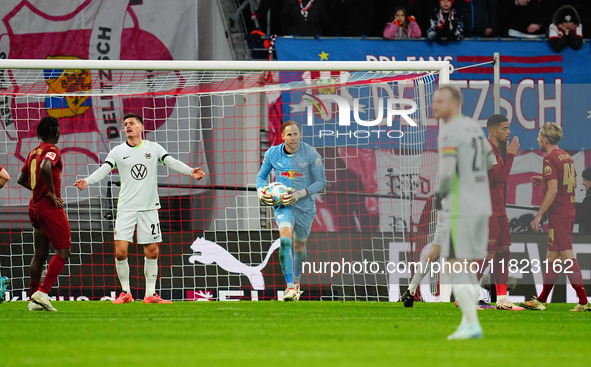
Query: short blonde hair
x,y
454,91
551,131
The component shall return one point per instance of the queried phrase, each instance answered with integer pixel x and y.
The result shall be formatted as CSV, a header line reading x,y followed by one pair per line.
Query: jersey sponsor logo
x,y
51,155
291,174
139,172
278,163
148,155
303,164
318,162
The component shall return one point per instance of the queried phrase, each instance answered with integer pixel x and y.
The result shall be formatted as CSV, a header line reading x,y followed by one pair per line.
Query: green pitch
x,y
277,333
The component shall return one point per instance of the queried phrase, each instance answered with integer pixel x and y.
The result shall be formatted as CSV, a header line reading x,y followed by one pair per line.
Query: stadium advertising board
x,y
542,86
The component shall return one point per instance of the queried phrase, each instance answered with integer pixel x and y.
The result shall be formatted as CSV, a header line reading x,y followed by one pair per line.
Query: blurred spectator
x,y
445,23
306,17
566,29
584,209
383,10
353,18
422,10
583,7
402,26
526,18
479,17
276,7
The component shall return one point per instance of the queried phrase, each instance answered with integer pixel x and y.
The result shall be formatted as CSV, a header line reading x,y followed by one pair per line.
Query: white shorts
x,y
467,238
148,226
442,228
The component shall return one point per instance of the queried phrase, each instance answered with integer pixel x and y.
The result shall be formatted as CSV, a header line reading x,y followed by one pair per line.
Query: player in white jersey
x,y
464,158
441,233
137,161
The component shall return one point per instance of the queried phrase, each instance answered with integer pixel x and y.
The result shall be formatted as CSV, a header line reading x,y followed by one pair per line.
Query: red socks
x,y
576,281
549,280
53,271
501,272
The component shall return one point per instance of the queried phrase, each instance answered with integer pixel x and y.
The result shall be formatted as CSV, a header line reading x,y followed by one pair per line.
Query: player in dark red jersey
x,y
559,180
499,237
42,174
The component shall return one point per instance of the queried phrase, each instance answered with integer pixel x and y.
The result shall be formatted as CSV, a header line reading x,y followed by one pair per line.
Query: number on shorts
x,y
155,228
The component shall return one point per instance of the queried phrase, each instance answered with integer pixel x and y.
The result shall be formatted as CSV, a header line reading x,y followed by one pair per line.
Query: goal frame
x,y
442,68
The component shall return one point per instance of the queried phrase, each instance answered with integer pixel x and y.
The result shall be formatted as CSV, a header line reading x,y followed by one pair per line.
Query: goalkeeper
x,y
138,204
298,166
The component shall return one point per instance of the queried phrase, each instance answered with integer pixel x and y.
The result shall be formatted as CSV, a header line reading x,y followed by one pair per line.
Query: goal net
x,y
370,122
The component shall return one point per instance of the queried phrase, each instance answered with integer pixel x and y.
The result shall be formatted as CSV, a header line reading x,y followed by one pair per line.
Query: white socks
x,y
466,292
122,267
419,275
151,273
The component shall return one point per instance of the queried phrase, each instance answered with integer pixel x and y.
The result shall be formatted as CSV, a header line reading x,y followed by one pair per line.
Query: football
x,y
277,190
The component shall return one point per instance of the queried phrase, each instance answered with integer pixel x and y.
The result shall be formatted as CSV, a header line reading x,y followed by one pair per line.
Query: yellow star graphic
x,y
323,56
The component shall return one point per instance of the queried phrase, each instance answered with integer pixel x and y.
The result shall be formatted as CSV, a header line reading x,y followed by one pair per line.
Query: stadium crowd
x,y
563,21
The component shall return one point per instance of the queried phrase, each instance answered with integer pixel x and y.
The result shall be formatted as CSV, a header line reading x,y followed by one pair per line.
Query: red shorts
x,y
54,223
498,232
560,236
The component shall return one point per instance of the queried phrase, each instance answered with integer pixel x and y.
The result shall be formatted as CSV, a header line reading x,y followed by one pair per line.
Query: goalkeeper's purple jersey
x,y
301,170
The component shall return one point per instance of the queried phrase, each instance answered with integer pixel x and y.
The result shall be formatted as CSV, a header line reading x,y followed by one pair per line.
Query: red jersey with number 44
x,y
559,166
33,167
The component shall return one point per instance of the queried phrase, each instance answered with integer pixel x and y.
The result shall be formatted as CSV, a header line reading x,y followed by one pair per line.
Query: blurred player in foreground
x,y
42,173
441,232
298,166
465,156
4,281
499,236
137,161
559,180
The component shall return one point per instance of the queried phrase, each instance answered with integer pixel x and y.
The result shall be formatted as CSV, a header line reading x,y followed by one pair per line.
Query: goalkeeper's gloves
x,y
264,197
293,196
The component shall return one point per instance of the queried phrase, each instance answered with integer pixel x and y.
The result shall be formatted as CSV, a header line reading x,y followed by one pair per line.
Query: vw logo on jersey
x,y
148,155
139,172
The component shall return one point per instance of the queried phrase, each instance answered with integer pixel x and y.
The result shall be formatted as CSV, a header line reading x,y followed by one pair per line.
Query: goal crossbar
x,y
442,67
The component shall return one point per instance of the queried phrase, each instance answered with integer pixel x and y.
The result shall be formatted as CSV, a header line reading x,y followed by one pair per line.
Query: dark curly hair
x,y
48,128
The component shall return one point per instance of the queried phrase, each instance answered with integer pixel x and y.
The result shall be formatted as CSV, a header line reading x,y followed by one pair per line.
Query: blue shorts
x,y
300,222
